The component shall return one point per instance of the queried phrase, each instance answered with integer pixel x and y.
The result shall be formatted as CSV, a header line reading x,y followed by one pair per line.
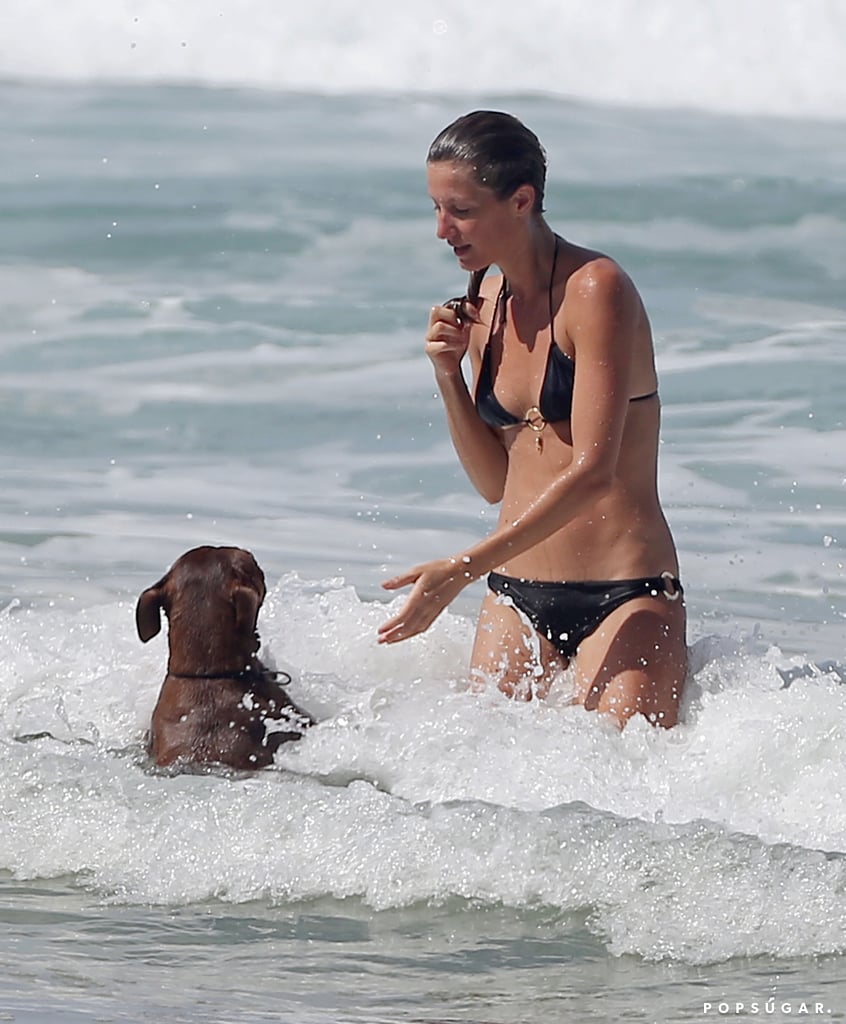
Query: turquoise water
x,y
207,318
213,304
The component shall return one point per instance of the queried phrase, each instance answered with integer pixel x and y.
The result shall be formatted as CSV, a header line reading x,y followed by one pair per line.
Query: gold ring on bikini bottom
x,y
675,593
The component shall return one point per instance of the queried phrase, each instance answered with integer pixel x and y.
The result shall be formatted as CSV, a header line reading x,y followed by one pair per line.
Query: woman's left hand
x,y
435,584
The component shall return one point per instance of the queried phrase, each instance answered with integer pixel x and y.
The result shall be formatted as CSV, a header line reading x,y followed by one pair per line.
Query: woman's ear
x,y
523,198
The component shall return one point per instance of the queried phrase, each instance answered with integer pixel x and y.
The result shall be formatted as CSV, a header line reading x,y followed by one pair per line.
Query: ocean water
x,y
216,261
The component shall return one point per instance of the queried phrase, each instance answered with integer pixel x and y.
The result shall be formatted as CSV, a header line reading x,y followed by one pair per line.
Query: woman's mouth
x,y
461,250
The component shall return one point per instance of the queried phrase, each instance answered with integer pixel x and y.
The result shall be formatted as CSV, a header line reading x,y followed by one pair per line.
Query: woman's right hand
x,y
447,339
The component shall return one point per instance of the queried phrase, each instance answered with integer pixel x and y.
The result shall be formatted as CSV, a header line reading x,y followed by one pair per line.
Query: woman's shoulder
x,y
600,300
597,278
594,269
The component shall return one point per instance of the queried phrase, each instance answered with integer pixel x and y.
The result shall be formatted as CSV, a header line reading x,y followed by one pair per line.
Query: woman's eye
x,y
454,211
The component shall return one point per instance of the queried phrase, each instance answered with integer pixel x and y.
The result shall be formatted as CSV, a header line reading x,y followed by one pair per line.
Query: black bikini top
x,y
556,397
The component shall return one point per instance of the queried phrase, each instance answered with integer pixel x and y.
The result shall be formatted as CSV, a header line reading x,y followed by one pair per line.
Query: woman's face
x,y
469,216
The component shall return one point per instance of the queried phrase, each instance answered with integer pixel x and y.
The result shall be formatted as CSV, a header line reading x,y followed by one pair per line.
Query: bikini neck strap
x,y
504,292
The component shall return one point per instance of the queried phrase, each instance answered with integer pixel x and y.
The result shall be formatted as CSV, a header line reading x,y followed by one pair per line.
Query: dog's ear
x,y
148,618
247,603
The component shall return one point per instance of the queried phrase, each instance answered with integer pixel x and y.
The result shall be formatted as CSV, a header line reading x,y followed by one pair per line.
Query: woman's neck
x,y
529,265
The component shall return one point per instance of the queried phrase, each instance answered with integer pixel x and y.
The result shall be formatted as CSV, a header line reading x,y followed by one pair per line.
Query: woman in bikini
x,y
561,428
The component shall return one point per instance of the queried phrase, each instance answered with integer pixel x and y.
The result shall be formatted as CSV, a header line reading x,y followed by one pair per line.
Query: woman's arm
x,y
601,316
479,450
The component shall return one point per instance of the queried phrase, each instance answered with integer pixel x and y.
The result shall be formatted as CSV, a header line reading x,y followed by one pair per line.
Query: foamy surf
x,y
749,58
414,790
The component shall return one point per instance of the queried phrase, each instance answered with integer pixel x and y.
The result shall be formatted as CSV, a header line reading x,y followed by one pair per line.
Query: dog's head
x,y
210,595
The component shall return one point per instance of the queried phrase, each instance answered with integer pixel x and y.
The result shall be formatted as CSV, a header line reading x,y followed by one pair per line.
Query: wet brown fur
x,y
218,704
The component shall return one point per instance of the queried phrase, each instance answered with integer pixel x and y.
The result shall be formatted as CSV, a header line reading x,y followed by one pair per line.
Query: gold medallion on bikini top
x,y
534,421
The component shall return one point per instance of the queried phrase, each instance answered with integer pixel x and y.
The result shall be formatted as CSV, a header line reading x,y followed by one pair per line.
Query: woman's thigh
x,y
635,662
511,653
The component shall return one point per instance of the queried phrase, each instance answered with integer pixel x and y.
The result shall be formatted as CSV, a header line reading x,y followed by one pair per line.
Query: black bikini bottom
x,y
565,613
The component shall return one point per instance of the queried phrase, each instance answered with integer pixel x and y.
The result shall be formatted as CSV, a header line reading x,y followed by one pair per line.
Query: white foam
x,y
747,57
413,789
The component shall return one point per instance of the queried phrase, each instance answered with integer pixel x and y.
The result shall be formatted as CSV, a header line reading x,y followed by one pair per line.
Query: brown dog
x,y
218,703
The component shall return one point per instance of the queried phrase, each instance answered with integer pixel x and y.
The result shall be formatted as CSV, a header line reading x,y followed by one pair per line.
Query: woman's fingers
x,y
444,315
396,628
409,622
445,324
403,580
435,586
447,337
392,631
445,334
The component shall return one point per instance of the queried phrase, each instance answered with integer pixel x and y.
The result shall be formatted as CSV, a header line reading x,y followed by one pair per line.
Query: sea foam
x,y
749,57
413,789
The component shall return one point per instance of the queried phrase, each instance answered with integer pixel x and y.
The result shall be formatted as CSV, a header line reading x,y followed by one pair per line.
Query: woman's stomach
x,y
622,535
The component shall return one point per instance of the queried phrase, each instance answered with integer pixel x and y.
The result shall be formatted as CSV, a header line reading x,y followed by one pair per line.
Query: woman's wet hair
x,y
501,151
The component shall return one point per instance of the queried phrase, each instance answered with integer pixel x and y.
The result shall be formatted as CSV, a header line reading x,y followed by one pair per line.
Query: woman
x,y
562,429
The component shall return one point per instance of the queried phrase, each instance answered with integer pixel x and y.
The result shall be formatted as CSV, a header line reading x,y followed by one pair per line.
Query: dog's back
x,y
218,703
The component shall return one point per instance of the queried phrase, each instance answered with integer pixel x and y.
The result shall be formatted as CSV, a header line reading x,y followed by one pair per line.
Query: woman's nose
x,y
444,225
